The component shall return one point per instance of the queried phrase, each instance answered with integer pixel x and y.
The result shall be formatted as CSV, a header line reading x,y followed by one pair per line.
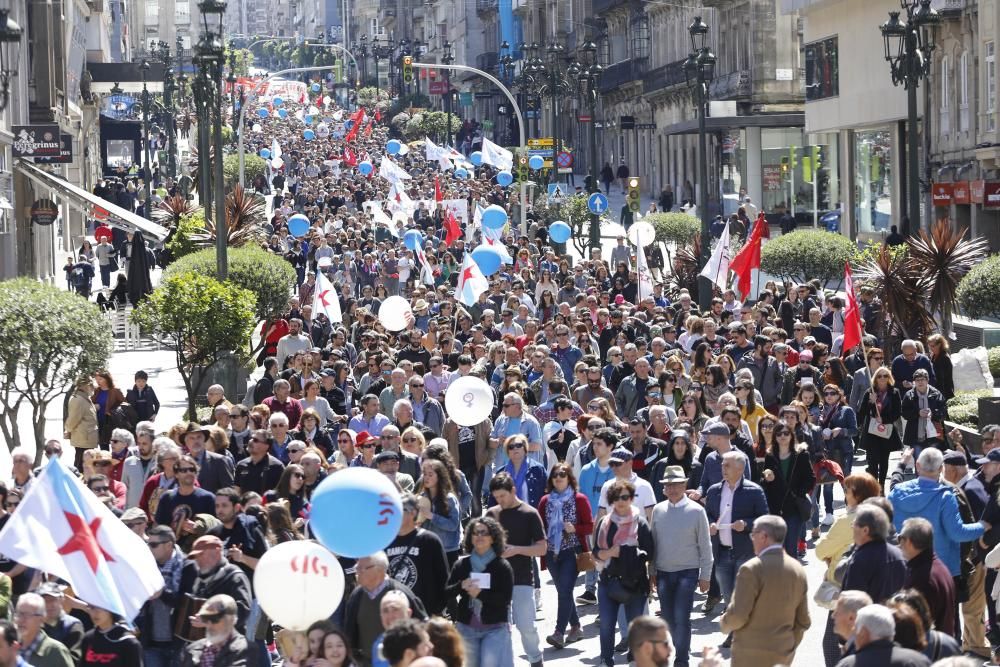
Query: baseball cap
x,y
622,455
806,355
718,428
382,457
953,458
204,543
992,456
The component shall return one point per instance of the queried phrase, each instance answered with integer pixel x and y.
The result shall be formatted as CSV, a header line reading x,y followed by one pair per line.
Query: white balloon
x,y
641,234
277,163
322,130
395,313
324,262
298,583
256,127
469,400
326,99
300,114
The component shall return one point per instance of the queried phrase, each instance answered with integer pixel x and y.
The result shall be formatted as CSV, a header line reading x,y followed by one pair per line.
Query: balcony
x,y
487,62
621,73
733,86
667,76
949,9
605,6
487,6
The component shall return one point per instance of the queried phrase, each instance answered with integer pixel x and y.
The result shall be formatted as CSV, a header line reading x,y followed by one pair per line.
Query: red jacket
x,y
584,520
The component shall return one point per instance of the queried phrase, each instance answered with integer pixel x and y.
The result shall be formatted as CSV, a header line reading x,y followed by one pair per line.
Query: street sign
x,y
556,193
437,87
597,203
626,122
36,141
564,159
645,126
544,148
584,118
483,95
465,99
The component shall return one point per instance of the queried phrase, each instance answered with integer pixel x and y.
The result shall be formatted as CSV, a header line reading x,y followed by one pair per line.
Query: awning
x,y
723,123
90,203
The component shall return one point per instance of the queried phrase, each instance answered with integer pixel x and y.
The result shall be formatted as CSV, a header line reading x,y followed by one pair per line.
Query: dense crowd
x,y
644,452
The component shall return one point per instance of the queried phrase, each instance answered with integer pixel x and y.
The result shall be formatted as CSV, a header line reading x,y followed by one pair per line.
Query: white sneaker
x,y
538,599
828,520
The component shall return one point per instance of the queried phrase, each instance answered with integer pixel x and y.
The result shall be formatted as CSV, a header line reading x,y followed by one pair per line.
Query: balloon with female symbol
x,y
298,583
256,128
366,168
476,158
322,130
494,217
356,511
315,87
469,401
559,231
505,178
395,314
298,225
265,153
536,162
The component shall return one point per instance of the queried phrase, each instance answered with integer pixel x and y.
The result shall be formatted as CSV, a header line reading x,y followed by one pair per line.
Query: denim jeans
x,y
676,591
607,612
795,524
589,579
487,648
562,569
160,656
522,608
726,567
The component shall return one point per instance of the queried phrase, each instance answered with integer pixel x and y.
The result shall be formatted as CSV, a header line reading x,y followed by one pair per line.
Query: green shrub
x,y
807,254
677,228
964,407
253,166
182,243
979,292
993,355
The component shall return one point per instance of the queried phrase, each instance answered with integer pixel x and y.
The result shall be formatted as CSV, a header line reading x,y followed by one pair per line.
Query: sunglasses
x,y
211,618
298,475
368,445
153,545
830,393
515,445
481,532
297,450
624,496
193,469
561,473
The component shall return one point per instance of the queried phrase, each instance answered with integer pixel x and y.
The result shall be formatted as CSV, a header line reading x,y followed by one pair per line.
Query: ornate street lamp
x,y
448,58
908,49
589,79
10,54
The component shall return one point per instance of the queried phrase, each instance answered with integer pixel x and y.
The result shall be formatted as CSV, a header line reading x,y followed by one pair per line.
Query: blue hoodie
x,y
936,502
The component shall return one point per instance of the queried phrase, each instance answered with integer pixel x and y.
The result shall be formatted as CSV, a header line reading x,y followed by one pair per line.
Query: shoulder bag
x,y
875,425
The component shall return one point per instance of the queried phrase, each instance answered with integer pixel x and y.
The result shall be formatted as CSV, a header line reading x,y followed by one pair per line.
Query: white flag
x,y
498,156
325,300
477,218
391,171
645,286
717,268
471,282
275,149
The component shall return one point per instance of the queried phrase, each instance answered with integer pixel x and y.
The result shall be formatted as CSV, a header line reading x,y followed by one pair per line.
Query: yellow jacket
x,y
831,547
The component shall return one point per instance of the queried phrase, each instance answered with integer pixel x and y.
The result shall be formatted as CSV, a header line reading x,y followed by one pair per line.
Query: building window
x,y
945,121
873,180
963,92
152,12
991,86
182,13
822,80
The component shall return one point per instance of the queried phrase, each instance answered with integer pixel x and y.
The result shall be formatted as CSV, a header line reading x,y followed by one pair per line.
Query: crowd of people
x,y
652,457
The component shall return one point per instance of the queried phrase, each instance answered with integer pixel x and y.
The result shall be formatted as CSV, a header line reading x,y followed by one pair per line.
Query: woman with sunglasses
x,y
862,379
291,489
605,409
311,431
692,410
439,508
482,614
880,410
787,479
623,546
346,450
839,425
715,385
365,444
765,437
568,523
680,452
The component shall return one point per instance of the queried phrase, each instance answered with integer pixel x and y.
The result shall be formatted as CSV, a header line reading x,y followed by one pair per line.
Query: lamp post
x,y
908,48
589,78
361,49
147,175
381,52
231,80
210,54
448,58
699,69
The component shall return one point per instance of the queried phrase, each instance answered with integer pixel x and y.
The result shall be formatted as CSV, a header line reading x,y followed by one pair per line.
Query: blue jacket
x,y
749,502
935,502
535,479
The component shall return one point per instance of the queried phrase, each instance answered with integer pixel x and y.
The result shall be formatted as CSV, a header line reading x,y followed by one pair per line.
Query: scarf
x,y
627,532
520,477
479,563
554,516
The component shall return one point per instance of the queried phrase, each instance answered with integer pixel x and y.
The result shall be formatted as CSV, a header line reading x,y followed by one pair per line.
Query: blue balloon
x,y
461,173
337,134
308,135
348,124
282,113
413,239
365,168
536,162
393,147
356,512
315,87
265,153
559,231
298,225
505,178
308,120
476,158
277,101
494,217
262,113
488,259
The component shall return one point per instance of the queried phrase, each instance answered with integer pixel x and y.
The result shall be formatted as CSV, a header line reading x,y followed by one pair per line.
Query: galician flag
x,y
62,528
717,269
645,287
275,149
471,281
325,299
498,156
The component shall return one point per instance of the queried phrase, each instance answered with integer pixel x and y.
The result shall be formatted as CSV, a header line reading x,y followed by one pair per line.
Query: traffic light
x,y
817,157
784,166
407,69
793,160
807,169
634,195
522,169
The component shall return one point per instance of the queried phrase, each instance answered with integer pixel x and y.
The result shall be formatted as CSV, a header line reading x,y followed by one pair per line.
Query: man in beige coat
x,y
81,421
769,612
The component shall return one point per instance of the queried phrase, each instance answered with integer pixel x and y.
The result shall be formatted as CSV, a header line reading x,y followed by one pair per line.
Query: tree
x,y
253,166
206,320
978,294
807,254
677,228
49,339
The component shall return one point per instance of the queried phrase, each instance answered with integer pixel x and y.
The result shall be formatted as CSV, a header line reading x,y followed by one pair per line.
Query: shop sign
x,y
976,189
991,194
44,212
36,141
772,178
65,152
960,192
941,194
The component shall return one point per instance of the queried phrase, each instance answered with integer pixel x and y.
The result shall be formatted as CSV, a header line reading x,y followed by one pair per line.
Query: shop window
x,y
991,86
873,180
822,78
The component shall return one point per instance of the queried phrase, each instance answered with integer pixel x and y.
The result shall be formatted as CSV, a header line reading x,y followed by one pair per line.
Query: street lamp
x,y
10,54
699,70
448,58
210,55
147,176
589,78
908,48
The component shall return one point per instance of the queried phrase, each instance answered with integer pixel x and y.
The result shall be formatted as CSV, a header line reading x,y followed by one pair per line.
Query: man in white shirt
x,y
621,464
292,342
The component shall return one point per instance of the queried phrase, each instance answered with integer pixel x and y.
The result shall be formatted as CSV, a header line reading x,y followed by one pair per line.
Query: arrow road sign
x,y
597,203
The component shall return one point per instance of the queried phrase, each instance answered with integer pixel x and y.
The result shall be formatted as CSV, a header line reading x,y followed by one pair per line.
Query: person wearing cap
x,y
387,463
924,410
928,497
136,521
718,441
683,556
803,373
223,644
65,628
215,471
210,573
621,465
417,559
113,489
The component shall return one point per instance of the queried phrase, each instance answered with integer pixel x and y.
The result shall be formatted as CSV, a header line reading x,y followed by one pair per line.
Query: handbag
x,y
826,595
620,591
876,427
584,561
804,506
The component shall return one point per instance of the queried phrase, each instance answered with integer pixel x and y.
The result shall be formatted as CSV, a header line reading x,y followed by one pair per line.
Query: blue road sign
x,y
597,203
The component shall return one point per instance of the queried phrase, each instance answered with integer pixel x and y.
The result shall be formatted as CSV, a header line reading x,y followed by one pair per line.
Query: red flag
x,y
852,313
368,128
438,197
350,158
765,231
454,231
746,260
353,133
378,115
